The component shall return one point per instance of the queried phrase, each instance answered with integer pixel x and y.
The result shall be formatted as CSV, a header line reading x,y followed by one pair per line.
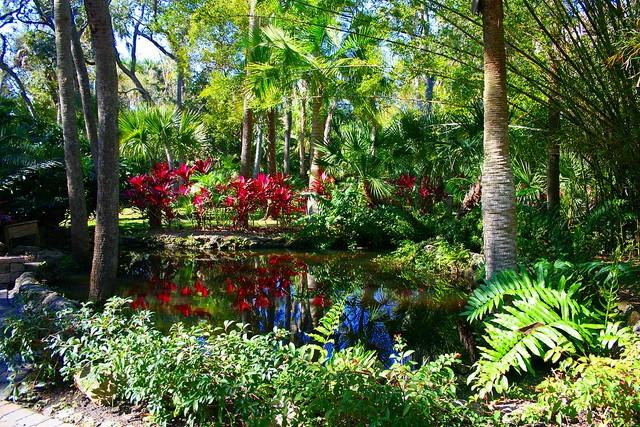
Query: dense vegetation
x,y
491,148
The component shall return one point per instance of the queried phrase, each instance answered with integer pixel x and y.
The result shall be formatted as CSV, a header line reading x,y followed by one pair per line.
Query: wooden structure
x,y
21,229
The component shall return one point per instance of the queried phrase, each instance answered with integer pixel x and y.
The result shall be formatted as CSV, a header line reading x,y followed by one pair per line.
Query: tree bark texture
x,y
247,114
90,117
317,134
498,192
271,142
301,138
105,250
287,142
72,156
258,156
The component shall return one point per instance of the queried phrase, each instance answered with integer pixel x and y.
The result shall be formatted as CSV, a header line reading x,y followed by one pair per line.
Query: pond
x,y
292,291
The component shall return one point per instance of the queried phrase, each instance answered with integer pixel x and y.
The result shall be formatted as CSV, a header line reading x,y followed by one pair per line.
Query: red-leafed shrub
x,y
274,194
158,192
154,193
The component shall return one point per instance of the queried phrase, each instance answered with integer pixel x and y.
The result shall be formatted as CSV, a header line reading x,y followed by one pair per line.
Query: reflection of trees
x,y
267,291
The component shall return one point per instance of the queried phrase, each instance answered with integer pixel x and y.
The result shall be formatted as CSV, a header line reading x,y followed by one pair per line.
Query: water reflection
x,y
292,291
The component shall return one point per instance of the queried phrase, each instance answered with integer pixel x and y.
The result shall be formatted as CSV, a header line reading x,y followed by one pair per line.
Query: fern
x,y
541,317
491,295
328,324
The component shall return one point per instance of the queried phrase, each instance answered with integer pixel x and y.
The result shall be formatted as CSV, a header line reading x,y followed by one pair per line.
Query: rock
x,y
28,288
33,266
24,279
65,414
17,268
99,392
39,254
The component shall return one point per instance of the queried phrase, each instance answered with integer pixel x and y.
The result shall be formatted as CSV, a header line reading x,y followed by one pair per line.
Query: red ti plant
x,y
274,194
154,193
323,185
239,199
405,186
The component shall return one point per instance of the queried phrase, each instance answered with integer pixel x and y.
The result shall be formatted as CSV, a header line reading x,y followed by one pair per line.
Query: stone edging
x,y
28,287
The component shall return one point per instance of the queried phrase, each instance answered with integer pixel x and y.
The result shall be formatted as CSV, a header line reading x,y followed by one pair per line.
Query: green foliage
x,y
150,135
346,221
543,234
465,230
23,343
199,375
600,390
436,263
550,316
32,177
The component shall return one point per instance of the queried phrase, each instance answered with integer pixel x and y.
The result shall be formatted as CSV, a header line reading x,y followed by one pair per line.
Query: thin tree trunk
x,y
428,94
301,138
553,151
287,141
317,127
326,135
553,162
72,156
90,117
146,96
179,87
247,114
256,160
271,141
105,250
23,91
169,155
247,131
498,192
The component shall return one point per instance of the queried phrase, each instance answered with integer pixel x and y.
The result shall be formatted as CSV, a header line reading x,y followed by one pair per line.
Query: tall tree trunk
x,y
247,131
179,87
317,127
287,141
271,141
72,156
301,138
257,158
553,150
326,135
23,91
430,82
90,117
247,114
105,249
498,192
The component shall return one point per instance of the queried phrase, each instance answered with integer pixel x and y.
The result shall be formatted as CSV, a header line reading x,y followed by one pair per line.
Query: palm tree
x,y
72,157
498,191
153,134
321,56
105,251
354,154
247,112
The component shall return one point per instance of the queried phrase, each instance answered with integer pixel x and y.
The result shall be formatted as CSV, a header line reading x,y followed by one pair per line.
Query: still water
x,y
292,291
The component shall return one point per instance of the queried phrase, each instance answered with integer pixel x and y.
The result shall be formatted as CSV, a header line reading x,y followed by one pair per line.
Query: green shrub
x,y
435,262
200,376
600,390
346,221
23,343
550,316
